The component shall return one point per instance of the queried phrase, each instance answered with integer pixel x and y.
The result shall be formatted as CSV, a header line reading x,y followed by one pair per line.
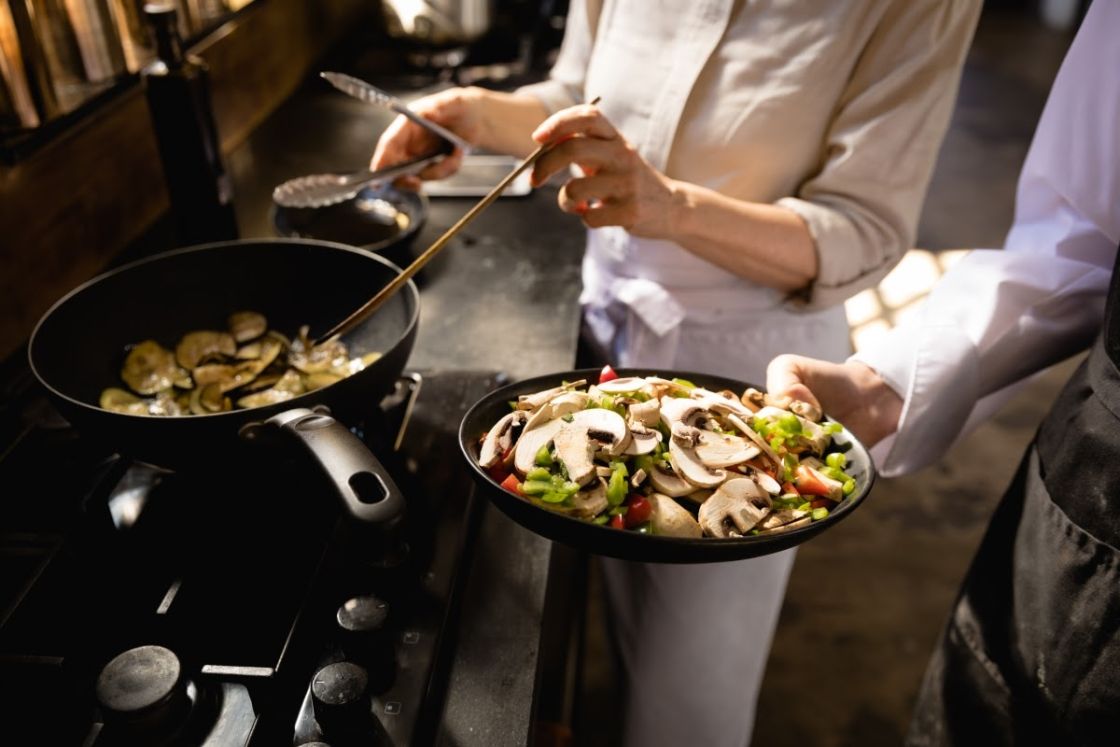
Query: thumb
x,y
790,376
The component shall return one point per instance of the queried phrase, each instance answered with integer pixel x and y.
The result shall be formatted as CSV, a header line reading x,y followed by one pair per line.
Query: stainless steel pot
x,y
438,22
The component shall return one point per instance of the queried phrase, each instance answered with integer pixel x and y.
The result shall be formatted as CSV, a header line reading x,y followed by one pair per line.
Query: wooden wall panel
x,y
68,209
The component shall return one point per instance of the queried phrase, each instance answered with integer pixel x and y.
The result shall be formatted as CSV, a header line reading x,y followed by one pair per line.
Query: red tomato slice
x,y
789,487
511,484
810,483
638,511
607,374
617,522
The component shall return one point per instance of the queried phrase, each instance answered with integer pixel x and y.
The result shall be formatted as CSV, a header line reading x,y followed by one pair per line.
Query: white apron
x,y
693,638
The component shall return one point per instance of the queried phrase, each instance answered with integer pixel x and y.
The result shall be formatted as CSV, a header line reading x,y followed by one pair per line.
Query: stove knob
x,y
340,699
365,637
143,690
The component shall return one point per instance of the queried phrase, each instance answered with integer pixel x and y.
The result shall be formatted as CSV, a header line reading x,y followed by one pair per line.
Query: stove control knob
x,y
340,698
143,690
366,638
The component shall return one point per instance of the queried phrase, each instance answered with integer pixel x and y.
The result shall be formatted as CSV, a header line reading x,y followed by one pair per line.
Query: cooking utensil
x,y
323,190
359,315
363,91
77,348
629,545
385,293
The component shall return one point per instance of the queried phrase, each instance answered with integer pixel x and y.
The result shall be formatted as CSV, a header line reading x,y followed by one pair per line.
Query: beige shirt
x,y
834,109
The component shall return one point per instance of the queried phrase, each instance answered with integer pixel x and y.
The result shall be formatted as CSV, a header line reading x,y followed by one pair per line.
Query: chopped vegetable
x,y
663,448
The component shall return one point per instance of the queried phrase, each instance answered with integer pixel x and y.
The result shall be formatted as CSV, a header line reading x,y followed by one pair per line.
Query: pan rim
x,y
301,400
653,548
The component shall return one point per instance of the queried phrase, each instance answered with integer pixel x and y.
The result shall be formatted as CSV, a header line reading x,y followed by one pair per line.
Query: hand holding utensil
x,y
363,91
370,306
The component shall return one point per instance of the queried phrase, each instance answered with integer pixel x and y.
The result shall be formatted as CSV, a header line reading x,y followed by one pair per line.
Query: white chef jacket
x,y
832,110
1000,316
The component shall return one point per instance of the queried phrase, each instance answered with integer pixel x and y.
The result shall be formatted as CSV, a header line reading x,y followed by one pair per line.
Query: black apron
x,y
1031,652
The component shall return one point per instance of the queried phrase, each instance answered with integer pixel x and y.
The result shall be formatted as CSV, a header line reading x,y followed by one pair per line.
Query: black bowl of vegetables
x,y
662,466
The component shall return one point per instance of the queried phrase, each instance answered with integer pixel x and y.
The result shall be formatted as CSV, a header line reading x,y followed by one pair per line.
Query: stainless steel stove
x,y
228,606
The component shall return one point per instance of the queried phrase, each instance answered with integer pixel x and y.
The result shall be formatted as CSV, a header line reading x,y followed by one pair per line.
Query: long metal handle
x,y
374,303
371,94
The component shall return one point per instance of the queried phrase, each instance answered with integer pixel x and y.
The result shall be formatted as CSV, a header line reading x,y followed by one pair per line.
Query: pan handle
x,y
369,495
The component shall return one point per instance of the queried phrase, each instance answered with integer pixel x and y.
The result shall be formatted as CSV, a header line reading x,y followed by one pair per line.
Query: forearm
x,y
766,244
508,120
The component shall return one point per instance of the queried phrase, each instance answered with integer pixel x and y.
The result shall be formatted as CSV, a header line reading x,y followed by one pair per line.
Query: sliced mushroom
x,y
642,440
720,404
531,441
670,519
535,400
765,481
758,440
247,325
680,410
499,439
787,518
558,406
196,347
688,465
699,496
621,385
638,478
590,502
588,432
734,509
724,450
669,483
647,413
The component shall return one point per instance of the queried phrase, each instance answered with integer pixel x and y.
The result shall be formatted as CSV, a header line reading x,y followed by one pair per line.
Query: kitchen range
x,y
233,602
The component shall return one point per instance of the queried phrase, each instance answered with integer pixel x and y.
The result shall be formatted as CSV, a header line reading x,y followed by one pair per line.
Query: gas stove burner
x,y
143,685
235,607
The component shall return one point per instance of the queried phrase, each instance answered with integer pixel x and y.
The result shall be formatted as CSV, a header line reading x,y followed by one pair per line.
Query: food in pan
x,y
667,457
245,365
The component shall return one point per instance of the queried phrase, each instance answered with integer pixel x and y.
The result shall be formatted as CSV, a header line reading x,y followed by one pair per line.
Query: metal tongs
x,y
321,190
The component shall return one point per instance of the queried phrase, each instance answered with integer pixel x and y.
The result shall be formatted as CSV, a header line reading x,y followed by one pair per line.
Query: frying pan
x,y
628,545
78,347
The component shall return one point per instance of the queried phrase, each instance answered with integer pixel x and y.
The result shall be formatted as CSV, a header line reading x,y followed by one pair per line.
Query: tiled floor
x,y
866,601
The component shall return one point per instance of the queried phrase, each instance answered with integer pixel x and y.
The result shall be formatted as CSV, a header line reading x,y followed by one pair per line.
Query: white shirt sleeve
x,y
999,316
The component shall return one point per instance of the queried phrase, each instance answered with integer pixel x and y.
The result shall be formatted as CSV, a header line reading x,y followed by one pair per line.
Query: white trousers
x,y
694,639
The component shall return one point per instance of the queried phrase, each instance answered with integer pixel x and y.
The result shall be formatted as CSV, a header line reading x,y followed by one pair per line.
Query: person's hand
x,y
851,393
457,109
618,186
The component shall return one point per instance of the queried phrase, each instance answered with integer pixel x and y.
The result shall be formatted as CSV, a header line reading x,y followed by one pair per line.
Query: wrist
x,y
680,211
884,403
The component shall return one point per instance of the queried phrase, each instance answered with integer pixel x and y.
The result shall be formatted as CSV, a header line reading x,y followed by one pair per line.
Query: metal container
x,y
438,22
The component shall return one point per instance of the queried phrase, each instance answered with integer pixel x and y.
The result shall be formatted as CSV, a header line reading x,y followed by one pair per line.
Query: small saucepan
x,y
382,219
77,349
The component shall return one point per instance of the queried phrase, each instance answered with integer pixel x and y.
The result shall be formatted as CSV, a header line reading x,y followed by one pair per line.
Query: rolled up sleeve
x,y
565,83
862,206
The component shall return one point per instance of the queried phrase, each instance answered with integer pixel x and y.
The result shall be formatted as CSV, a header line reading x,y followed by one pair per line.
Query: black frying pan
x,y
78,347
603,540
